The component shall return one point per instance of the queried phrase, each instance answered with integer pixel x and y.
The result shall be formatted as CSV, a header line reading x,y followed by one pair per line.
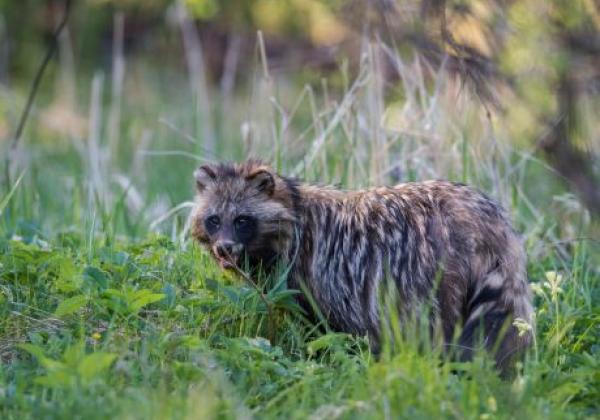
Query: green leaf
x,y
71,305
93,364
73,354
212,285
114,293
68,280
145,299
282,295
96,277
38,353
33,350
55,379
326,341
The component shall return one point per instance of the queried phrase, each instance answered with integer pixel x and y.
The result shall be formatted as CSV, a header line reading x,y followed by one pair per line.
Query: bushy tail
x,y
500,314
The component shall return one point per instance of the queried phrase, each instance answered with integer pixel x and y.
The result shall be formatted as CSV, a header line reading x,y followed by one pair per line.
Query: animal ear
x,y
263,180
204,176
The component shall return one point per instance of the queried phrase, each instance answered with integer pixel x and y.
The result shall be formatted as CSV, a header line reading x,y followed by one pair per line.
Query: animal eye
x,y
245,228
212,223
241,221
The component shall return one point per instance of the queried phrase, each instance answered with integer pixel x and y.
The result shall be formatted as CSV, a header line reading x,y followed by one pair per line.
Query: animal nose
x,y
225,249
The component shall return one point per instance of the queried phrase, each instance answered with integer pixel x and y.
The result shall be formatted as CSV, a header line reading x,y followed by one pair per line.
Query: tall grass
x,y
107,309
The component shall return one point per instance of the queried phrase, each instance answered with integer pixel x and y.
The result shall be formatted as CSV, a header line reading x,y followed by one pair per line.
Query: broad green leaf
x,y
114,293
56,379
212,284
38,353
73,354
96,277
146,299
71,305
93,364
33,350
68,279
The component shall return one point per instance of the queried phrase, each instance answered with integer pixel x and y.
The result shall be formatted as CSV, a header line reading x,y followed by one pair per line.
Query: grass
x,y
151,330
108,310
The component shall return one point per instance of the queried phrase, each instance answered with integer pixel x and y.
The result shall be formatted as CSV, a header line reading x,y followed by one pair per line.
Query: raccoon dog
x,y
435,242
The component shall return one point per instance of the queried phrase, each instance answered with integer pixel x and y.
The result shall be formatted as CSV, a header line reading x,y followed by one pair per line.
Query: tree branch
x,y
36,84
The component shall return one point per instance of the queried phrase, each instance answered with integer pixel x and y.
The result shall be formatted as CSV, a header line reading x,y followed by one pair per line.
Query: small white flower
x,y
553,284
522,326
492,404
537,289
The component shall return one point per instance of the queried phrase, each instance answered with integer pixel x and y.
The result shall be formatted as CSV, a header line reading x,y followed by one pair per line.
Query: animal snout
x,y
225,249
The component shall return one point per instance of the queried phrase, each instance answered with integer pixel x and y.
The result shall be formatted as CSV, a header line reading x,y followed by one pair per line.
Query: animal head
x,y
244,213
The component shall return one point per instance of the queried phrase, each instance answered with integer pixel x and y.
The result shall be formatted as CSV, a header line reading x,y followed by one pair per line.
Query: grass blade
x,y
12,191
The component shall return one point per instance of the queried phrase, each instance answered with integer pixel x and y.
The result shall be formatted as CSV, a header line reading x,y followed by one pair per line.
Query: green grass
x,y
108,310
151,330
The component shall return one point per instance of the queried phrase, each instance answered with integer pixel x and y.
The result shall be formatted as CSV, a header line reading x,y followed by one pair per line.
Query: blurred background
x,y
499,94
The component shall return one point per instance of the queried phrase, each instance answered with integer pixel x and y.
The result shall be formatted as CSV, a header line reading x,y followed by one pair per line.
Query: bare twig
x,y
118,75
35,86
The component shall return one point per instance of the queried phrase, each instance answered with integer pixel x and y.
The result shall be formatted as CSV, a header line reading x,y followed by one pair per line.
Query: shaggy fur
x,y
439,243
